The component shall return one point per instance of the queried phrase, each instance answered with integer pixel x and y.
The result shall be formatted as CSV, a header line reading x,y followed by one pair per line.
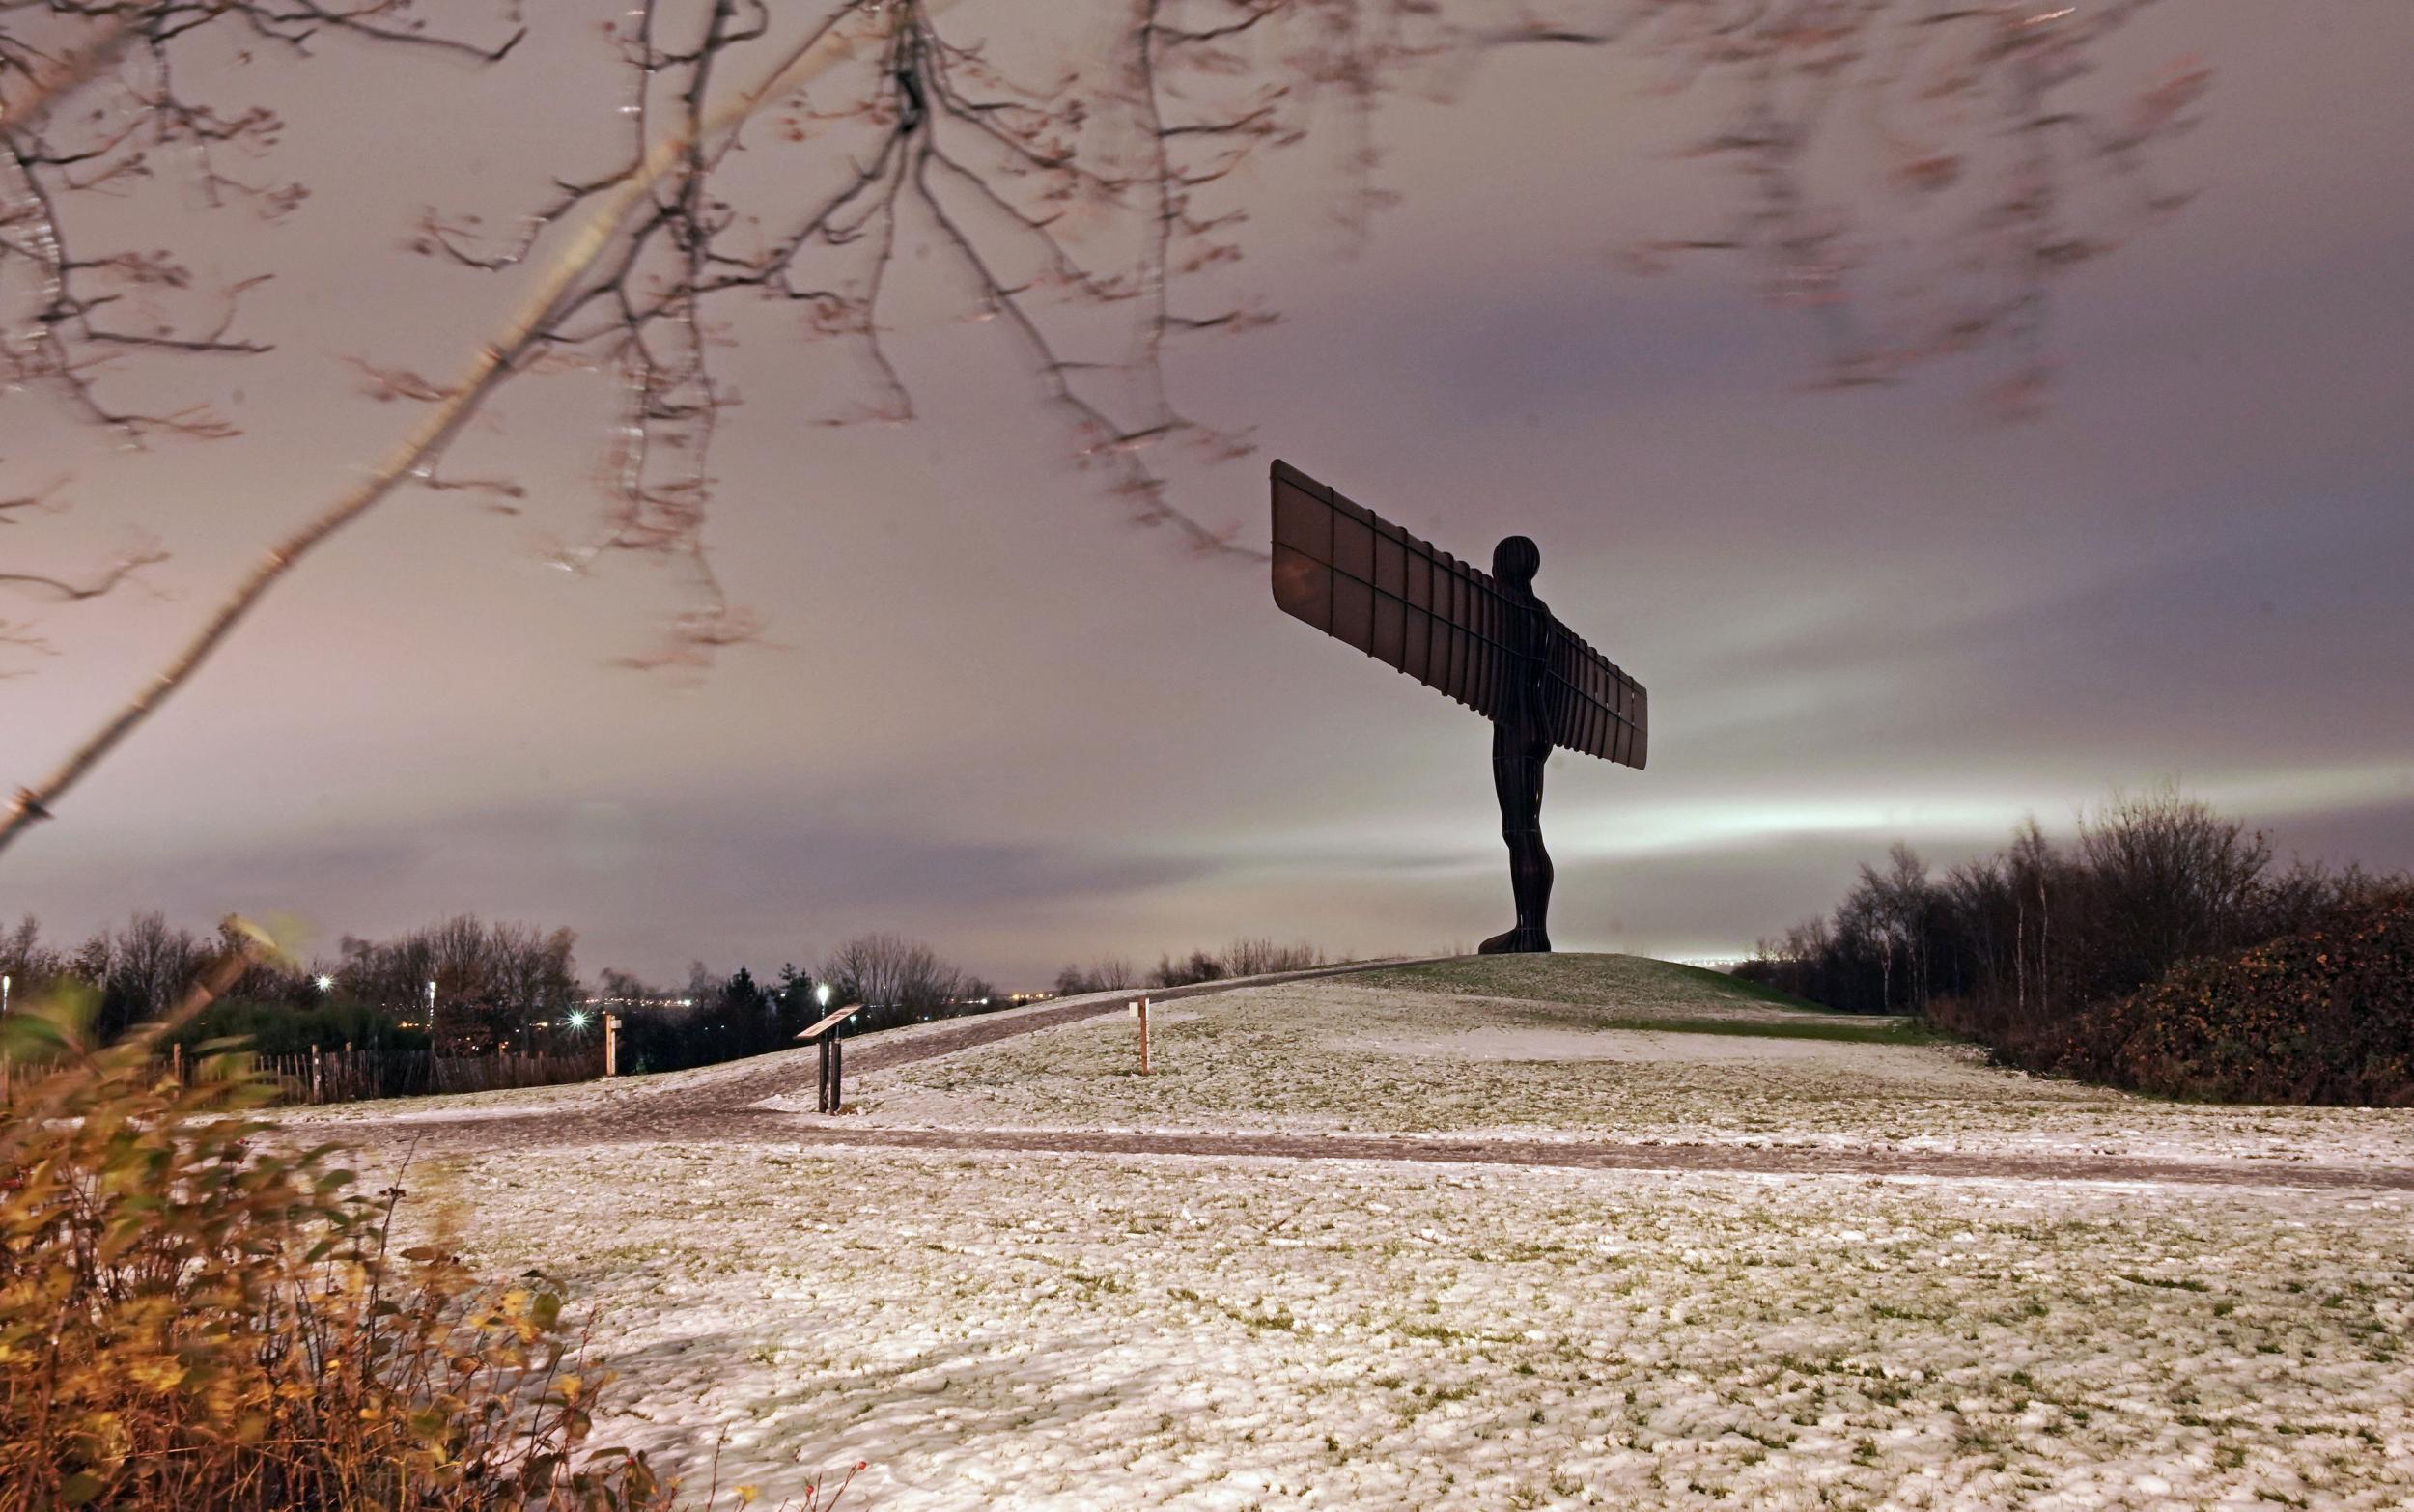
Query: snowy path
x,y
800,1133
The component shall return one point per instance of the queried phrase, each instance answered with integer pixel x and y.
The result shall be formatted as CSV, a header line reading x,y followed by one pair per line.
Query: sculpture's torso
x,y
1524,717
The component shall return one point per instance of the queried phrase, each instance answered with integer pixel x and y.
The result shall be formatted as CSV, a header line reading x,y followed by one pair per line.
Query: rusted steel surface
x,y
1483,638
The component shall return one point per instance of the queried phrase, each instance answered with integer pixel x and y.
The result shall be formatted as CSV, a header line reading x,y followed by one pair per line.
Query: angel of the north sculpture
x,y
1483,638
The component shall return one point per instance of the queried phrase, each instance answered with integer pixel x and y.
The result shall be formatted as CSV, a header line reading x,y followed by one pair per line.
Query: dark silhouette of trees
x,y
1107,974
1258,956
472,985
1201,966
718,1018
886,972
724,1017
2167,880
497,986
2012,945
713,1019
1243,957
494,983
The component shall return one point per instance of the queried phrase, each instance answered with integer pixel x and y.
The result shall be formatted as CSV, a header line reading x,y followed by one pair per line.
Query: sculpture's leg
x,y
1517,782
1529,865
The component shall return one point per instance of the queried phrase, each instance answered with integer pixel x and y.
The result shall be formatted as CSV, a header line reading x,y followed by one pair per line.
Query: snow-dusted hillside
x,y
1027,1328
1628,1049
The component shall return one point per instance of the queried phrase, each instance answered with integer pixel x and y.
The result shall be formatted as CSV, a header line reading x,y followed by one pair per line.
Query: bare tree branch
x,y
71,590
487,369
1066,203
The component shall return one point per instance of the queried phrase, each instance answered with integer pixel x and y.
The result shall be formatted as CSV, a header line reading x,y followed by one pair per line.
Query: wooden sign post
x,y
611,1045
1139,1011
830,1099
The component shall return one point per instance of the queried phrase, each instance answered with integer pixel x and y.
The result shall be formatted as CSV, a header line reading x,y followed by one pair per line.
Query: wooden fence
x,y
352,1075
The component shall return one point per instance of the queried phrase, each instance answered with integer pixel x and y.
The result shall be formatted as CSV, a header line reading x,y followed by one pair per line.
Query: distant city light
x,y
577,1018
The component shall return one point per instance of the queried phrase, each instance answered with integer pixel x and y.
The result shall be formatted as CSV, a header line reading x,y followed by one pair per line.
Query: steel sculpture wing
x,y
1412,606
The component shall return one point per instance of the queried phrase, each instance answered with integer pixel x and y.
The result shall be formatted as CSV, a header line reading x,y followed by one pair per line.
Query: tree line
x,y
1246,956
470,986
465,984
715,1018
2018,948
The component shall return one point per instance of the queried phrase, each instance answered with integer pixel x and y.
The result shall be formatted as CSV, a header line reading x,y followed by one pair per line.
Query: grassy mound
x,y
1639,993
2323,1016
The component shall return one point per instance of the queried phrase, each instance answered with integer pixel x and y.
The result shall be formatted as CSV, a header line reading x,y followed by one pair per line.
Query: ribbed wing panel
x,y
1595,708
1404,601
1415,608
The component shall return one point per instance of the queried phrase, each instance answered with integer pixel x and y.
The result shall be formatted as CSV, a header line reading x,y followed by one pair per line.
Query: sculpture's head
x,y
1516,560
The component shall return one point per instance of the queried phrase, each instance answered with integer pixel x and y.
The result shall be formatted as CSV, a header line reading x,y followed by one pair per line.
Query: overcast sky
x,y
998,717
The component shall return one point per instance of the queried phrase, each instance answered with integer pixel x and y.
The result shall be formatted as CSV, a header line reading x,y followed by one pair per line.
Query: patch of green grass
x,y
1616,992
1586,980
1851,1029
1724,985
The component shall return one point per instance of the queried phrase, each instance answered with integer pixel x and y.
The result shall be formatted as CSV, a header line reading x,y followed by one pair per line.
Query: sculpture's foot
x,y
1516,941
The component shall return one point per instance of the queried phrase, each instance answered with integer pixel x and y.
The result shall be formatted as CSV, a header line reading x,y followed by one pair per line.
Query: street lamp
x,y
326,982
821,993
4,993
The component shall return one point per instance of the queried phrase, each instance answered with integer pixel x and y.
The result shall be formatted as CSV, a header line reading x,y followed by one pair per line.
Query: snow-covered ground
x,y
1406,1059
1016,1328
1025,1330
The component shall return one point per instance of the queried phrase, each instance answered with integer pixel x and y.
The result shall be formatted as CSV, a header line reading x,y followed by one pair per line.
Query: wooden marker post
x,y
1139,1011
611,1045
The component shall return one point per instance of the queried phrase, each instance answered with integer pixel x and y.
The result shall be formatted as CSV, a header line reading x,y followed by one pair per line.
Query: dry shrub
x,y
191,1319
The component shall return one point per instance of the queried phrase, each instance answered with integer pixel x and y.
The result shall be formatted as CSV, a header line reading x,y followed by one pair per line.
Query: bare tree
x,y
781,157
882,970
1898,904
1106,974
2168,879
2035,869
150,964
26,959
1258,956
1968,125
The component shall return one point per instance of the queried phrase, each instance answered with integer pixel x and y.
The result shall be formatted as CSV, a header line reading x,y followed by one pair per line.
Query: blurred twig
x,y
487,368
